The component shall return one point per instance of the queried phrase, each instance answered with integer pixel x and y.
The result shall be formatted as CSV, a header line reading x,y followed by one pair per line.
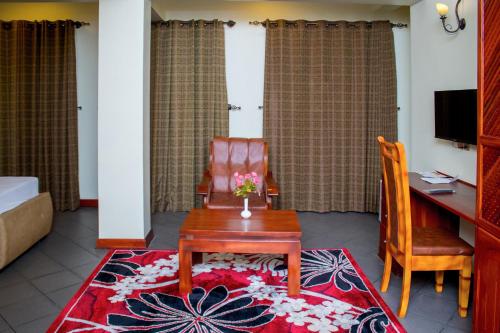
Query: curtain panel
x,y
330,90
38,107
188,107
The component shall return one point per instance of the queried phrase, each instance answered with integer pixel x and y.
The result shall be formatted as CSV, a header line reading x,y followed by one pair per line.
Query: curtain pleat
x,y
188,108
330,90
38,107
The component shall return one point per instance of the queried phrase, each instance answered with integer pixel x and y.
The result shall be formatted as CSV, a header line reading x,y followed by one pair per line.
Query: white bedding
x,y
16,190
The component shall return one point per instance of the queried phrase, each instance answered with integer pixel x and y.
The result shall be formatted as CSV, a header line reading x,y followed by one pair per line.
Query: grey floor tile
x,y
17,292
34,263
36,326
449,329
74,230
56,281
371,265
69,254
460,323
9,276
88,243
62,296
3,325
84,271
420,324
434,307
28,310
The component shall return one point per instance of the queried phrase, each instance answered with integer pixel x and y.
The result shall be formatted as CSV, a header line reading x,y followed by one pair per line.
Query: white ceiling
x,y
367,2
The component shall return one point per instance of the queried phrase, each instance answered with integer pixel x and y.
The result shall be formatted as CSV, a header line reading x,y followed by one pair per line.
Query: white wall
x,y
86,72
245,48
440,61
123,124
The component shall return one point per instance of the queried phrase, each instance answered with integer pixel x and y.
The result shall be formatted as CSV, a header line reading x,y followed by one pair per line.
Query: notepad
x,y
439,180
431,174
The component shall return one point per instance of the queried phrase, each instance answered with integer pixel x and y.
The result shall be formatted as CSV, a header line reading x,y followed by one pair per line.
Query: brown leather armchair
x,y
230,155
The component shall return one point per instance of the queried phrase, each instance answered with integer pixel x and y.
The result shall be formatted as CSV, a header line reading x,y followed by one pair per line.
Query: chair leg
x,y
387,272
405,292
464,287
439,281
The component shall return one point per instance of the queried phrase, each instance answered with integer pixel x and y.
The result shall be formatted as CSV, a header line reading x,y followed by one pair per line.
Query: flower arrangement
x,y
246,184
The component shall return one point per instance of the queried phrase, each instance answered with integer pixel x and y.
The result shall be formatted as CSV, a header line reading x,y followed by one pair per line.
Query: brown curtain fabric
x,y
330,90
38,107
188,108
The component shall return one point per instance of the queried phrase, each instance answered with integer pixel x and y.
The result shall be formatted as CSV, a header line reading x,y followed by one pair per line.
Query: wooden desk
x,y
223,230
434,210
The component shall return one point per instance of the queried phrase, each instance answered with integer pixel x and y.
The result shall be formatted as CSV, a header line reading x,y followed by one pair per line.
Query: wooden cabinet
x,y
487,260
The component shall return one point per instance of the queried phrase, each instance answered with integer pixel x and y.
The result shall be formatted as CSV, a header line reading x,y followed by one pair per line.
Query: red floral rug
x,y
137,291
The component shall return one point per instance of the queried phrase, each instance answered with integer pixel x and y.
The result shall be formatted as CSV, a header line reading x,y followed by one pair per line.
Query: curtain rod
x,y
229,23
263,23
78,24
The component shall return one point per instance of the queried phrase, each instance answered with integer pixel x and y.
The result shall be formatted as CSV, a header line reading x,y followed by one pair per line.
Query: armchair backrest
x,y
230,155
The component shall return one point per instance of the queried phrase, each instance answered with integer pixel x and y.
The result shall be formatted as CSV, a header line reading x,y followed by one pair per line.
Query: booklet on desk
x,y
439,180
434,177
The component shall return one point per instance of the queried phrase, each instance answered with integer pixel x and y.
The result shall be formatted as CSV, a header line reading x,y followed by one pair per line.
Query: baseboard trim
x,y
123,243
89,203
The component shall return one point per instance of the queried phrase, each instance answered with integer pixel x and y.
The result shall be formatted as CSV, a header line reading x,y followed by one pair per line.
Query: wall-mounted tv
x,y
455,114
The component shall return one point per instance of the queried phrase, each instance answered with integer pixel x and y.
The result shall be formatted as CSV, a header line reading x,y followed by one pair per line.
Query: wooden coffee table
x,y
266,231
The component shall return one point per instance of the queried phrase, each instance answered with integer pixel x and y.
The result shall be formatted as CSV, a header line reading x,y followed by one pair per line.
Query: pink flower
x,y
256,180
248,176
236,174
238,182
254,174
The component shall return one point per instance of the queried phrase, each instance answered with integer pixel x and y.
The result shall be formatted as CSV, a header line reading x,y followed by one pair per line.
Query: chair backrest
x,y
230,155
397,194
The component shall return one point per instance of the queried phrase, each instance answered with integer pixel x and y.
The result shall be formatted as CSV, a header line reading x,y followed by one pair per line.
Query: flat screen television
x,y
455,114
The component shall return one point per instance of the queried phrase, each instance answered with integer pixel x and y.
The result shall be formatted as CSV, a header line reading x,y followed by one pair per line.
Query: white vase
x,y
245,213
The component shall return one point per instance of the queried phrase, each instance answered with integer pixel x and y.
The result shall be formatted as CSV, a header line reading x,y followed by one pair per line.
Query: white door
x,y
245,54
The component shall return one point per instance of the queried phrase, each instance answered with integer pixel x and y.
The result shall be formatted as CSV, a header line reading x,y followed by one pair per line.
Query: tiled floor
x,y
35,287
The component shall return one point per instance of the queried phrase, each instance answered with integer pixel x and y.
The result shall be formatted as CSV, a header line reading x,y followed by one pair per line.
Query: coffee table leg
x,y
185,267
294,270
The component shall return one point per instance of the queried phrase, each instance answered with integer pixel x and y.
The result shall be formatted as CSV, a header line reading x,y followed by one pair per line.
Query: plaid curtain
x,y
330,90
188,107
38,107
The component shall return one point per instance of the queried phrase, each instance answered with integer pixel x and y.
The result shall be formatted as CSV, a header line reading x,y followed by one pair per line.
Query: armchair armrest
x,y
203,187
271,186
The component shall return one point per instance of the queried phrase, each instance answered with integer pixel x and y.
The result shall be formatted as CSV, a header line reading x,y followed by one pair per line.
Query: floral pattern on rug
x,y
137,291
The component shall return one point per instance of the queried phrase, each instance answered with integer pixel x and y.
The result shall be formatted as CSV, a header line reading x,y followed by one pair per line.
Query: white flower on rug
x,y
325,317
202,268
149,273
345,321
147,276
337,306
322,325
281,309
297,303
298,318
320,311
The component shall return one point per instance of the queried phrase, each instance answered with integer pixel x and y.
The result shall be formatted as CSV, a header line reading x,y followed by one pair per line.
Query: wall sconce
x,y
442,10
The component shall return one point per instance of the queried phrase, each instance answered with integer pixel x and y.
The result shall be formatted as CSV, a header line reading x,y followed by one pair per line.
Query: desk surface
x,y
461,203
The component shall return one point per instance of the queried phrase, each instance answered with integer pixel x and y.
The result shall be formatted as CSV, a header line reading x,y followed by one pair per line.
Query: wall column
x,y
123,123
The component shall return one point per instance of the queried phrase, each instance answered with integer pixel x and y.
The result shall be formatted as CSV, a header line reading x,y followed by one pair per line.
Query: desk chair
x,y
230,155
417,249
